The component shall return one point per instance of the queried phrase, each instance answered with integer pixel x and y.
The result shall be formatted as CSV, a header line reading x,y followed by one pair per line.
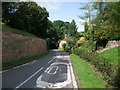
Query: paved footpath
x,y
52,71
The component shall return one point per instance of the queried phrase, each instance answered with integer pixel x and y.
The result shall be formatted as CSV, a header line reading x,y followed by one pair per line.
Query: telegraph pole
x,y
90,26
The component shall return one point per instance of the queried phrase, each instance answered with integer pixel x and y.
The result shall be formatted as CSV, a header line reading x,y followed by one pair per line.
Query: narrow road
x,y
52,71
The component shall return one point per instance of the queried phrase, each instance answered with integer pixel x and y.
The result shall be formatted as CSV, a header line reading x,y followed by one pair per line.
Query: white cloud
x,y
80,26
83,20
80,23
49,5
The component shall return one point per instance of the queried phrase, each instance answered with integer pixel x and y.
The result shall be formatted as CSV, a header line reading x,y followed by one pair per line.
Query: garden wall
x,y
113,43
15,46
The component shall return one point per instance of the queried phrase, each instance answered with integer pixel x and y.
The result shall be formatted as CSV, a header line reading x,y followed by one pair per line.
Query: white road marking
x,y
4,71
28,79
51,60
52,65
73,78
54,71
43,84
25,64
19,66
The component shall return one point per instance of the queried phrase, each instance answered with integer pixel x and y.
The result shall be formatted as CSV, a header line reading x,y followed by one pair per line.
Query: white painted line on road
x,y
28,79
4,71
62,84
73,78
19,66
51,60
54,64
54,71
44,84
25,64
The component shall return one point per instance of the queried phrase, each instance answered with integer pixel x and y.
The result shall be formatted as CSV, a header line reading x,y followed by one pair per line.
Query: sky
x,y
65,11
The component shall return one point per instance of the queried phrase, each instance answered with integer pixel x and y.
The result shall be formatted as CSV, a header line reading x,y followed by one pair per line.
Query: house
x,y
64,41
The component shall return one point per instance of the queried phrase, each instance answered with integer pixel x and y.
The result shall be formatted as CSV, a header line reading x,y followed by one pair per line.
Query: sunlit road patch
x,y
57,75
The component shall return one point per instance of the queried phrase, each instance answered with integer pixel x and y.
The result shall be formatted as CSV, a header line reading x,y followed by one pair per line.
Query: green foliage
x,y
104,20
8,28
26,16
102,64
77,36
72,28
70,45
86,76
32,18
112,55
60,28
64,46
87,31
107,21
85,45
63,28
81,40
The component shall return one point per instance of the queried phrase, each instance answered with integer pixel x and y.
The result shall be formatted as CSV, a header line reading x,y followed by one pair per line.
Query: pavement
x,y
53,71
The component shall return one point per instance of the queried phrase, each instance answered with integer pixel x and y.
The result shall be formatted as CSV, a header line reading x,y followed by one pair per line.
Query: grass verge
x,y
85,74
20,61
112,55
10,29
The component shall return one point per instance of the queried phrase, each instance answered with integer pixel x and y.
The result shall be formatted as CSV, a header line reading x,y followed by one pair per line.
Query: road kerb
x,y
75,86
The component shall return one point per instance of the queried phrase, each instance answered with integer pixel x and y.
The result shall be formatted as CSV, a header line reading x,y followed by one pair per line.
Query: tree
x,y
60,28
27,16
105,22
72,30
7,9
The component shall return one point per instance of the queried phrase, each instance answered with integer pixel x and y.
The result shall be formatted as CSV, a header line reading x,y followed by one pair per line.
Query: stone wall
x,y
16,46
110,44
113,43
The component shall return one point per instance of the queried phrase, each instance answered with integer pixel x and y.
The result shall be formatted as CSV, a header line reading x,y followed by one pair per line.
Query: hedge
x,y
111,74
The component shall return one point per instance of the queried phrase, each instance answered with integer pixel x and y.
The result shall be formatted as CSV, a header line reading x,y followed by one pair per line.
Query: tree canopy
x,y
27,16
32,18
104,20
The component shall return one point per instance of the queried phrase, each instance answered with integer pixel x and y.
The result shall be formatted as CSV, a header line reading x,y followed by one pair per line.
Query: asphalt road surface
x,y
51,71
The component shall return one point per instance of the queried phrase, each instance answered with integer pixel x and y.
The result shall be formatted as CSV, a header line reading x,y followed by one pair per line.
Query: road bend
x,y
51,71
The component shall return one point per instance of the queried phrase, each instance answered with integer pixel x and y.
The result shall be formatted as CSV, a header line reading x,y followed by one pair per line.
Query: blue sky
x,y
65,11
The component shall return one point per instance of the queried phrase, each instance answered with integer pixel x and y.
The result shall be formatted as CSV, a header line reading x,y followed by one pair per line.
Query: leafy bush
x,y
81,40
85,45
64,45
103,65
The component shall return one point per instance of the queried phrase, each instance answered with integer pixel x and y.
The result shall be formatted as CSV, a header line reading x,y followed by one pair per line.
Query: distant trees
x,y
32,18
63,28
72,30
